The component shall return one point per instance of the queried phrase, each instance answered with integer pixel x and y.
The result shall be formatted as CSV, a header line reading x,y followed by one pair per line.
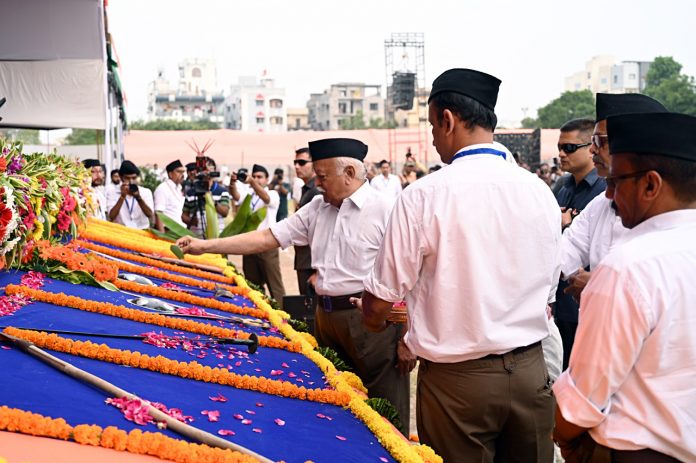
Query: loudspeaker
x,y
403,89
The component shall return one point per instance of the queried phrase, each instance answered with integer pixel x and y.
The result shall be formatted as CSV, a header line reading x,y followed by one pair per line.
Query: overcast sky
x,y
306,45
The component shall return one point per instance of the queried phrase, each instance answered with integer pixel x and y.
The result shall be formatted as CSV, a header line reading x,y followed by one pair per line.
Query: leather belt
x,y
331,303
519,350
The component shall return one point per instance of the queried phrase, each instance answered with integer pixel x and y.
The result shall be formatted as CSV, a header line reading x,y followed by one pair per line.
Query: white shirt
x,y
473,248
99,197
632,373
591,236
131,215
169,199
297,185
344,242
257,203
390,186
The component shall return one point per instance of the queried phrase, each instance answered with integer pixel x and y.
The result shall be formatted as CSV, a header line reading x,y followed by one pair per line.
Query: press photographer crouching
x,y
206,180
130,205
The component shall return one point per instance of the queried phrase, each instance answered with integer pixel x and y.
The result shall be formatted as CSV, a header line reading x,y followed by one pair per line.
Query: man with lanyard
x,y
132,206
387,183
597,228
262,268
97,172
303,254
169,197
574,193
344,229
629,394
193,213
473,249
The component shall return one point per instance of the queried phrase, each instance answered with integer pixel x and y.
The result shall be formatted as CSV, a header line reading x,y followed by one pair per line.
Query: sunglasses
x,y
301,162
570,148
611,179
599,140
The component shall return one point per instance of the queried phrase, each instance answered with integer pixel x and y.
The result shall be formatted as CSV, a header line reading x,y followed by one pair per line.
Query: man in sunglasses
x,y
630,391
597,229
574,193
303,254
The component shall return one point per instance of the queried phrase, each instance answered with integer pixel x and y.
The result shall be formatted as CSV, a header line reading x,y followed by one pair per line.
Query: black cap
x,y
337,148
174,165
89,163
665,134
480,86
614,104
128,168
191,166
259,168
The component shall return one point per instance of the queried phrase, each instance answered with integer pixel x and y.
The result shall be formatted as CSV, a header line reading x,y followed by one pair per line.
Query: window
x,y
343,93
297,123
260,120
276,120
616,79
342,108
195,72
604,80
259,103
374,106
276,103
631,76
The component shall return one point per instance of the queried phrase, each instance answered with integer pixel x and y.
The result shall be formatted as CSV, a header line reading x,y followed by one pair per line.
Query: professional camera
x,y
242,174
133,188
201,184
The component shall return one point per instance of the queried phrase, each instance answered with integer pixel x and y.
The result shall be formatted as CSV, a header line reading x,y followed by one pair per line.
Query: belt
x,y
331,303
519,350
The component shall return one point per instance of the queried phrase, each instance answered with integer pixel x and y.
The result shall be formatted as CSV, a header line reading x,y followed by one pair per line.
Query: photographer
x,y
262,268
283,189
206,181
138,200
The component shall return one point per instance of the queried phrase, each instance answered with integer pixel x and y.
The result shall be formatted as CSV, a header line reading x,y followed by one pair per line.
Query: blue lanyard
x,y
461,154
130,207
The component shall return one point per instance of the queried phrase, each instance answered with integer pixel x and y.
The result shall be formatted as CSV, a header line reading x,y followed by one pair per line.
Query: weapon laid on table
x,y
112,390
252,343
184,263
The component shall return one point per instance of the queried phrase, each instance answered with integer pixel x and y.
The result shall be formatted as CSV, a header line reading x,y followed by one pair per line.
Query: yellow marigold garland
x,y
190,370
113,310
135,441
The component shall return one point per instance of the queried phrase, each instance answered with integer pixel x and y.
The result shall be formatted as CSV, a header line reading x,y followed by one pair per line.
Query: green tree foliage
x,y
666,84
26,136
174,125
570,105
149,178
85,137
355,122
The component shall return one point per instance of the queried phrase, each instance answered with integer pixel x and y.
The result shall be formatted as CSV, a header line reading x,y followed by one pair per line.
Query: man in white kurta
x,y
386,182
169,196
632,376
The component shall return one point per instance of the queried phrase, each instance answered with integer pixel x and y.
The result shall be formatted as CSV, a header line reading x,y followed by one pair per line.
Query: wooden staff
x,y
114,391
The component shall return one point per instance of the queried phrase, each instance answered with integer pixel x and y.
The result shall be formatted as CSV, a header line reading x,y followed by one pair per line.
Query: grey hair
x,y
358,166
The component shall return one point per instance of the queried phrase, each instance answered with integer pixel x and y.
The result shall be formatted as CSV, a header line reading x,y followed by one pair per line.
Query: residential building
x,y
603,74
195,97
298,119
333,108
256,106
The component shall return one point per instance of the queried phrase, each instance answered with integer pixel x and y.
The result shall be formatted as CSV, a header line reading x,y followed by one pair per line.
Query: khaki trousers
x,y
371,355
499,408
264,269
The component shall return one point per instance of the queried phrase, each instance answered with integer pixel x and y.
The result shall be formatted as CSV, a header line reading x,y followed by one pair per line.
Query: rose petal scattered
x,y
284,365
276,372
218,398
385,460
257,430
341,438
237,416
259,404
279,422
246,421
226,432
251,412
321,415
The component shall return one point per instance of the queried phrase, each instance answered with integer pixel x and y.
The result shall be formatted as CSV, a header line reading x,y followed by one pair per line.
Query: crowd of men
x,y
494,266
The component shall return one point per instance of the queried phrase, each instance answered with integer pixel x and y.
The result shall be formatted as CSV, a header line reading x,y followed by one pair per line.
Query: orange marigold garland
x,y
135,441
113,310
73,260
190,370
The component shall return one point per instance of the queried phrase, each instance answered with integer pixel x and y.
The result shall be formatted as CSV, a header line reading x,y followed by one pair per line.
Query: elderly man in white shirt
x,y
630,390
169,196
597,228
344,228
131,205
386,182
99,199
473,248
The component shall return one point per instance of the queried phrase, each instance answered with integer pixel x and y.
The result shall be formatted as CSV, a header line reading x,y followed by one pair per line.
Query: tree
x,y
161,124
570,105
85,137
356,122
674,90
26,136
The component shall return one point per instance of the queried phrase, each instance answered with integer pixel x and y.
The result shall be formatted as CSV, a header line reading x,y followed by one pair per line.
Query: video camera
x,y
200,185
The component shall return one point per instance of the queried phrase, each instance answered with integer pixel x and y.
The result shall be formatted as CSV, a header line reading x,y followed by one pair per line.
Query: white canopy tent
x,y
54,68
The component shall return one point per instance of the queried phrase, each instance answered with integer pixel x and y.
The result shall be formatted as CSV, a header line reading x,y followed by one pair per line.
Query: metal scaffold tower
x,y
407,96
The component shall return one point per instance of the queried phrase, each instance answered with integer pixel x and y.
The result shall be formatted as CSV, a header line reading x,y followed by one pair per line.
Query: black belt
x,y
519,350
331,303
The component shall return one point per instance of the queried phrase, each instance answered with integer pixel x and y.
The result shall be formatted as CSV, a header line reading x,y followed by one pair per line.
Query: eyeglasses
x,y
598,140
611,179
570,148
301,162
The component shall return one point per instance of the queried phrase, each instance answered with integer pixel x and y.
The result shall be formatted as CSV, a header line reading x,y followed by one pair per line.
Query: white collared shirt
x,y
632,373
390,186
473,248
169,199
344,242
271,208
591,236
99,211
131,215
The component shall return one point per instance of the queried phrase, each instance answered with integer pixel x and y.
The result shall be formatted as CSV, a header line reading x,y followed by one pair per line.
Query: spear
x,y
112,390
252,343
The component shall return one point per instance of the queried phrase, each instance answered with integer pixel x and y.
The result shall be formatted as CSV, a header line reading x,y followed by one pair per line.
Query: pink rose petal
x,y
251,412
384,459
237,416
321,415
226,432
257,430
284,365
341,438
259,404
246,421
218,398
279,422
276,372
